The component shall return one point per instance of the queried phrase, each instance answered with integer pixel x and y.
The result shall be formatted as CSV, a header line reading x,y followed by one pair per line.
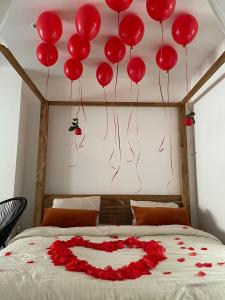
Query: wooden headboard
x,y
115,209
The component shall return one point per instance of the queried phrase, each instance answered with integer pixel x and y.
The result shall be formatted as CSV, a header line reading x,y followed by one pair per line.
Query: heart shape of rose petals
x,y
61,255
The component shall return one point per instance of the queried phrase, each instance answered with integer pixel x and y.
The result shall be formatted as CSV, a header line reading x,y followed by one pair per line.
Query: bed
x,y
194,267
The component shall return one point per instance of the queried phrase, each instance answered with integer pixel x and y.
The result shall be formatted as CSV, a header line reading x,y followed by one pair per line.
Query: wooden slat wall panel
x,y
115,209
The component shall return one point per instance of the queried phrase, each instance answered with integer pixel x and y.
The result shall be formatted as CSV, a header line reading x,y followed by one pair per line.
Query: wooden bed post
x,y
184,176
41,164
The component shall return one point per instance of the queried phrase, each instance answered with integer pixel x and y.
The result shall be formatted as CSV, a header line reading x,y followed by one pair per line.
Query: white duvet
x,y
41,280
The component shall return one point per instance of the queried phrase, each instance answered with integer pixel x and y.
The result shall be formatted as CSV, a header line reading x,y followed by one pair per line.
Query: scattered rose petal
x,y
8,253
204,248
185,227
192,254
201,274
30,262
207,265
177,238
31,243
221,263
199,265
191,248
114,236
183,247
167,273
180,243
181,259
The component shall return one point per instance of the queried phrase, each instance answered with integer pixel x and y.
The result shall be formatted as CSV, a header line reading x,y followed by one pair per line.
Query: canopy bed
x,y
112,246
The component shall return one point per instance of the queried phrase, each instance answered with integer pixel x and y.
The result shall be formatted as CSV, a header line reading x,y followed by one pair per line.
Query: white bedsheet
x,y
42,280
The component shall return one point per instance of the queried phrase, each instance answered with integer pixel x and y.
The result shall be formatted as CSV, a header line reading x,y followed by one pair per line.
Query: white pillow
x,y
151,204
85,203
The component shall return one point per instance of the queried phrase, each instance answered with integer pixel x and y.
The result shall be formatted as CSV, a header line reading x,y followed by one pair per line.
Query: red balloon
x,y
166,58
78,48
131,29
104,74
136,69
49,27
184,29
160,10
73,69
115,49
118,5
88,22
47,54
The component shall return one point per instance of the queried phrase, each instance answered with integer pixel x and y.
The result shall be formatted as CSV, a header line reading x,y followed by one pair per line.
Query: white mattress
x,y
42,280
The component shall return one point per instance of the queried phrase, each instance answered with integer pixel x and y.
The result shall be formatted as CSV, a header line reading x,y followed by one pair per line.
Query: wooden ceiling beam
x,y
211,71
19,69
112,103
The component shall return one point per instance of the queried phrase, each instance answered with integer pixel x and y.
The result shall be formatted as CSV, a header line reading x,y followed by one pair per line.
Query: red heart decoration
x,y
61,255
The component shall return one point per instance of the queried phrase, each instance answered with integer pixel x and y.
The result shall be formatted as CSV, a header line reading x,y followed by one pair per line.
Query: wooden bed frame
x,y
115,209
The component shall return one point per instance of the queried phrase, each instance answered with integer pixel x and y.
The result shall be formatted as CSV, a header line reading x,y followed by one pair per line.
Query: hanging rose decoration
x,y
189,120
118,5
115,49
47,54
166,58
73,69
160,10
75,127
184,29
104,74
61,255
131,29
136,69
49,27
78,48
88,22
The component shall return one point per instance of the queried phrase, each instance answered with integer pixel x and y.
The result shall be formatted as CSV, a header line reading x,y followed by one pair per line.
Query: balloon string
x,y
128,139
70,111
107,115
186,74
47,84
171,145
161,147
162,36
139,147
118,21
84,115
131,83
117,126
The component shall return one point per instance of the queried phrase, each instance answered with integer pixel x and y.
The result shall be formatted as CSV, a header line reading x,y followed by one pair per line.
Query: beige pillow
x,y
85,203
150,204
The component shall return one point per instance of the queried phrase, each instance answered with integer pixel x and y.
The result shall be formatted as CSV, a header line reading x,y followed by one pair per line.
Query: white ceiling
x,y
22,39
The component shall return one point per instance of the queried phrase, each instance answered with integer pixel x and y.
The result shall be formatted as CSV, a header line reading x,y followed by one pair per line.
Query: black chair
x,y
10,212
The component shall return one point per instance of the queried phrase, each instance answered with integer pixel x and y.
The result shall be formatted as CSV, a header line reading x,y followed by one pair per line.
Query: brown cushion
x,y
69,217
160,216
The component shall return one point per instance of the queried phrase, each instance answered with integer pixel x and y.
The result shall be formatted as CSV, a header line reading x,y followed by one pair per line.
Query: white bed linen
x,y
42,280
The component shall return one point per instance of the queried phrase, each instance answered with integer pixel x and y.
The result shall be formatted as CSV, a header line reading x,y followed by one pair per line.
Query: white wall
x,y
10,95
210,149
93,173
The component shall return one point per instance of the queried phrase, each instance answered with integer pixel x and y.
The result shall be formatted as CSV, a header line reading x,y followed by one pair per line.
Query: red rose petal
x,y
8,253
201,274
191,248
30,262
192,254
177,238
207,265
167,273
181,259
183,247
221,263
31,243
204,248
199,265
114,236
180,243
